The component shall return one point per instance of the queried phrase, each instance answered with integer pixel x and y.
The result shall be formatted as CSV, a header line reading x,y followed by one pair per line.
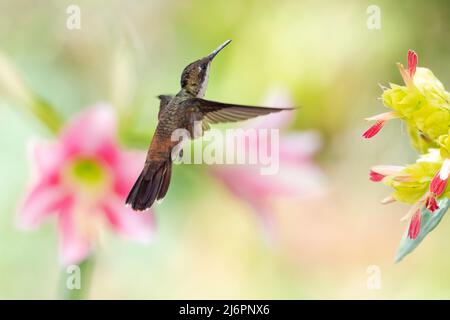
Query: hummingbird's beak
x,y
215,52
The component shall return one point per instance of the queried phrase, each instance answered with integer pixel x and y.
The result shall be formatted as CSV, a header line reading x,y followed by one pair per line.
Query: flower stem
x,y
76,279
47,115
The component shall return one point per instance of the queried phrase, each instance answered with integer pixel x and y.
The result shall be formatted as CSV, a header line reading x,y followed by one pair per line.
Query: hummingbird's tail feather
x,y
152,184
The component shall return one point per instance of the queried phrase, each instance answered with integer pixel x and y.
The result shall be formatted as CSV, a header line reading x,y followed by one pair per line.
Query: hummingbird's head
x,y
195,76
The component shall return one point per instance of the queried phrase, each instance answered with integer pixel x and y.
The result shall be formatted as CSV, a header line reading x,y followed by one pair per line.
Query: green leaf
x,y
429,221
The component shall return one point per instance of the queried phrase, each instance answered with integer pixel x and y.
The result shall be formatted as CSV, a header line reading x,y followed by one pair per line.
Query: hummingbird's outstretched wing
x,y
217,112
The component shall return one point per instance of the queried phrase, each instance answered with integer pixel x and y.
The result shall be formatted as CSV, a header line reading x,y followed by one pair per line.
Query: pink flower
x,y
375,176
408,78
408,74
412,63
440,180
437,186
380,119
297,176
373,130
431,204
414,226
83,179
378,173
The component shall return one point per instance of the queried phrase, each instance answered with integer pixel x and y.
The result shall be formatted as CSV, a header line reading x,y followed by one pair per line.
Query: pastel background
x,y
311,232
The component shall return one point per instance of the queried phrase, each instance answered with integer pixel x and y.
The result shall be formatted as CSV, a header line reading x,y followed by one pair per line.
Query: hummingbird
x,y
182,111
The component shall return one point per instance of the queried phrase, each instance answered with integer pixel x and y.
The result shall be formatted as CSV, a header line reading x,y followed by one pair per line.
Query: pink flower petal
x,y
414,226
44,199
437,185
440,180
377,173
431,204
299,181
412,63
126,170
373,130
247,183
47,157
299,146
375,176
134,225
296,176
91,133
74,247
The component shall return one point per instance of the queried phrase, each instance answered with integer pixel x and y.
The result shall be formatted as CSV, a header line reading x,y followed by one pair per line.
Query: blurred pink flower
x,y
83,179
297,177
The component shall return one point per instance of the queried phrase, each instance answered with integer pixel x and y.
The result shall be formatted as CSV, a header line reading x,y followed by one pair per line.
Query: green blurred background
x,y
208,244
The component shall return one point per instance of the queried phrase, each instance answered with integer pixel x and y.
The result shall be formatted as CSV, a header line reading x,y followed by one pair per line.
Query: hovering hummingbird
x,y
182,111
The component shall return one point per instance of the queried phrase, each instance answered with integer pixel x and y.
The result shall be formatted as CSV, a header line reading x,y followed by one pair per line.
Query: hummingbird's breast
x,y
173,116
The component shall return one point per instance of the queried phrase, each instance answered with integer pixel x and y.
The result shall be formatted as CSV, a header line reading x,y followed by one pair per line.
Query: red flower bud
x,y
431,204
414,226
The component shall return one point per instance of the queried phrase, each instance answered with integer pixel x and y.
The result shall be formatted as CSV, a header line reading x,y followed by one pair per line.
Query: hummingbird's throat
x,y
204,83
